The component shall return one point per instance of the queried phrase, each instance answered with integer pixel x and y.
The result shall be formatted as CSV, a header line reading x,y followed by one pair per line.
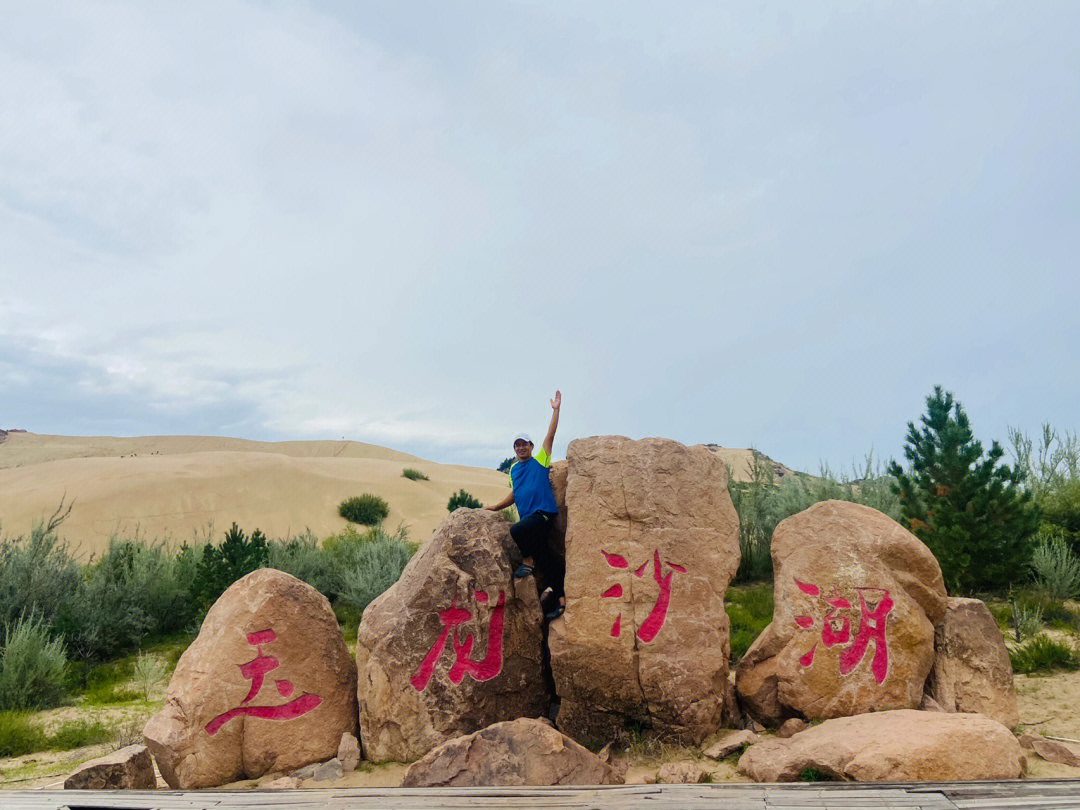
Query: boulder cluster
x,y
456,669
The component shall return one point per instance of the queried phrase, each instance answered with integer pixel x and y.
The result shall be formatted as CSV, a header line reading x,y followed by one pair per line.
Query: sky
x,y
775,225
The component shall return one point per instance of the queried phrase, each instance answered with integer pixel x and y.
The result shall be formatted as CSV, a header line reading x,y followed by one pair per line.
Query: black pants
x,y
531,535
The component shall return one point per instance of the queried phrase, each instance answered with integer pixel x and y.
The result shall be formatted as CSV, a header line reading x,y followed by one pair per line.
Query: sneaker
x,y
523,571
546,593
551,615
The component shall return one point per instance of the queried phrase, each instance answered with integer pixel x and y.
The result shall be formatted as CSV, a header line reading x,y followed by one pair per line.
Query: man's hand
x,y
555,403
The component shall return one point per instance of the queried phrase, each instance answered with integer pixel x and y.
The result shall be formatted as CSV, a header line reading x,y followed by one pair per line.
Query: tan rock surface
x,y
791,727
681,773
972,671
891,746
730,742
518,752
557,477
857,597
651,545
454,646
130,768
268,685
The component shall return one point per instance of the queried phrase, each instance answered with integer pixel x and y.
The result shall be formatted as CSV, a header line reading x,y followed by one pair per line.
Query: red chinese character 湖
x,y
836,628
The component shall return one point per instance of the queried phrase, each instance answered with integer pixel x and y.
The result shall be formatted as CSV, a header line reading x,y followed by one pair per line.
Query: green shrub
x,y
1027,620
302,557
78,734
814,775
750,609
506,464
460,499
366,509
135,590
413,474
18,735
368,565
1043,654
149,670
32,666
1057,569
221,566
36,573
1053,612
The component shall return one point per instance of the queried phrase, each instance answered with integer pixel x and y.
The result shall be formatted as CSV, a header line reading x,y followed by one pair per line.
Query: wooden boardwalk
x,y
1050,794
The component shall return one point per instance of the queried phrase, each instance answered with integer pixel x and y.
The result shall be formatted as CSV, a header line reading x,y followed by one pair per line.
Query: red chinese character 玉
x,y
657,616
255,670
484,670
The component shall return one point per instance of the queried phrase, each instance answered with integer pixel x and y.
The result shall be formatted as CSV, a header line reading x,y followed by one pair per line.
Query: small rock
x,y
516,752
929,704
326,771
618,764
1054,751
129,768
349,752
681,773
791,727
306,772
282,783
1027,740
730,743
756,727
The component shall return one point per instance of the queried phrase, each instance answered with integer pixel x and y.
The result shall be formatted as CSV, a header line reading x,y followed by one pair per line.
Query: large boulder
x,y
517,752
130,768
453,646
893,746
557,477
651,545
268,685
972,671
857,597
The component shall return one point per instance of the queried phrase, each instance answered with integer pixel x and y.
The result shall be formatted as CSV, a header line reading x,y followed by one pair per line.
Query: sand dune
x,y
174,487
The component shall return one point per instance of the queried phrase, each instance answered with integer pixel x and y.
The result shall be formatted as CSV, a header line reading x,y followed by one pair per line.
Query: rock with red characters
x,y
857,597
268,685
651,545
454,646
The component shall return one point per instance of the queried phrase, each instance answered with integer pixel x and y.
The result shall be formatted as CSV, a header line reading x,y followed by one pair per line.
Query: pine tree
x,y
219,567
969,508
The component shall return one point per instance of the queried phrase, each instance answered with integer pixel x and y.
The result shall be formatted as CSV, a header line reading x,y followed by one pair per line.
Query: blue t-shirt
x,y
531,485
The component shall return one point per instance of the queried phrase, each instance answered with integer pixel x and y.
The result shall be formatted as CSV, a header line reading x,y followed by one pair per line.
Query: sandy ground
x,y
179,488
173,487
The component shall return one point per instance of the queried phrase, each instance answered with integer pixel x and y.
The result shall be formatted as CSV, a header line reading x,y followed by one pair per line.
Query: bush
x,y
302,557
220,566
32,666
149,671
413,474
1027,620
36,573
366,509
19,736
1043,654
368,565
134,591
1057,569
506,464
460,499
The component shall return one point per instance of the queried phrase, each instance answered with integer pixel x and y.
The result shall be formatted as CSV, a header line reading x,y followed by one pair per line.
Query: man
x,y
531,491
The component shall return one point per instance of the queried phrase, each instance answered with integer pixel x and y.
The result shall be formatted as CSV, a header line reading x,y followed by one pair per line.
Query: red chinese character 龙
x,y
255,670
483,670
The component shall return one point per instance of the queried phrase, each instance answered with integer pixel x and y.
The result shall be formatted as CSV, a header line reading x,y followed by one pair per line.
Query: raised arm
x,y
549,440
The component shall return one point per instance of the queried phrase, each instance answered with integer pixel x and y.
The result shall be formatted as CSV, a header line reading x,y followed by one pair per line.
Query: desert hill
x,y
175,487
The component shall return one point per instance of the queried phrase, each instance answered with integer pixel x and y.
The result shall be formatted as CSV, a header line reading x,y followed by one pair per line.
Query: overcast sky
x,y
407,223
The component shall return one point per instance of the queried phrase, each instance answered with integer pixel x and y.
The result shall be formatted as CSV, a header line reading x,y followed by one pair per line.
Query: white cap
x,y
523,437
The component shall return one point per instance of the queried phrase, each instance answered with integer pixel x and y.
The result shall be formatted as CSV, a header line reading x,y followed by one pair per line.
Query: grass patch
x,y
20,735
814,775
1044,655
750,609
413,474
